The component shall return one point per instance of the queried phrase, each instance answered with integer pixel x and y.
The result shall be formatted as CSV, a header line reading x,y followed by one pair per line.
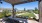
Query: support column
x,y
13,12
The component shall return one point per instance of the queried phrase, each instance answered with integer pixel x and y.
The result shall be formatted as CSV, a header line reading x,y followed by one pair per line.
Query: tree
x,y
5,12
15,10
24,9
36,9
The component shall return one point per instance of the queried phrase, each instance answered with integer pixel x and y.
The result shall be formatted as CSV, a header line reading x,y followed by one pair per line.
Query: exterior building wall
x,y
40,6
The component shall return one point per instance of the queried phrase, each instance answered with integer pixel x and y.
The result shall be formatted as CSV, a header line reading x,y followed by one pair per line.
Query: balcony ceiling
x,y
19,1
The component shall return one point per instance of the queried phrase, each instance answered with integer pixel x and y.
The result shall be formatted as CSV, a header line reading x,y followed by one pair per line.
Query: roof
x,y
19,1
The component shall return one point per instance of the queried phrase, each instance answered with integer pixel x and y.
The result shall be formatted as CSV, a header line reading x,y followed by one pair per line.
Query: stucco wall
x,y
40,12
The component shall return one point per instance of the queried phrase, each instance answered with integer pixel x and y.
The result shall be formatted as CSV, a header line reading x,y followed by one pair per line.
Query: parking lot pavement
x,y
0,22
32,21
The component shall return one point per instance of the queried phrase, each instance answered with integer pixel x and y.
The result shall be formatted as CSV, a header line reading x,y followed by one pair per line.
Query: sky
x,y
30,5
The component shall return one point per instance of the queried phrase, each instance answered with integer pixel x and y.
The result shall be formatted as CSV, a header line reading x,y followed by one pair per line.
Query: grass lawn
x,y
28,14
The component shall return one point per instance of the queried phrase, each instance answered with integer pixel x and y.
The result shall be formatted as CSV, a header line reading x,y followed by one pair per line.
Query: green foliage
x,y
29,11
24,9
28,14
36,9
4,13
1,15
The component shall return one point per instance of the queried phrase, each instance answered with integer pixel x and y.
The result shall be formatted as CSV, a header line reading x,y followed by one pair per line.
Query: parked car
x,y
15,20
